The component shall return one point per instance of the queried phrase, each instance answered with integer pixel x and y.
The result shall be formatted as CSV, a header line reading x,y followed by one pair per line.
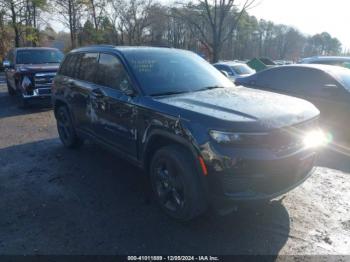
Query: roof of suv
x,y
122,49
35,48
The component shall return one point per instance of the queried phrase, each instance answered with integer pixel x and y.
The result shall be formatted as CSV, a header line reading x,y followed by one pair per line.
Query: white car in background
x,y
233,69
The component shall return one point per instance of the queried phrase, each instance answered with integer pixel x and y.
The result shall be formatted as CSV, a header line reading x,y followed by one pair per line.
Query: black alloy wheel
x,y
175,183
66,129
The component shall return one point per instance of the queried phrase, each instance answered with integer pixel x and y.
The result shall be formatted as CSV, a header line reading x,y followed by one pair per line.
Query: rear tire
x,y
66,129
175,183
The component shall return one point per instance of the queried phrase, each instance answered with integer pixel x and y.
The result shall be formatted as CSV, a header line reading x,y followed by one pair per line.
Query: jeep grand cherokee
x,y
202,140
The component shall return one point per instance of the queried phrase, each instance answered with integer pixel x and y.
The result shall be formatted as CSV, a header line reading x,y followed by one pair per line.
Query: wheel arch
x,y
161,138
58,103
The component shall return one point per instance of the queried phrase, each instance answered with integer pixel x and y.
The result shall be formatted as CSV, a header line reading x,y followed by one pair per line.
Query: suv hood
x,y
33,68
241,104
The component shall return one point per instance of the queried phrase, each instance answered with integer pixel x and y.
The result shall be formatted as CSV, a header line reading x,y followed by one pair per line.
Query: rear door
x,y
82,69
115,112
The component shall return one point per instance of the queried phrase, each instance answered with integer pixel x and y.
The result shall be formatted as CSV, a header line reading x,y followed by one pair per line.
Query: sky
x,y
309,16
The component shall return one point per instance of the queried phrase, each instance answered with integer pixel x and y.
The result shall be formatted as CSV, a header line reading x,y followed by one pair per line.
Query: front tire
x,y
175,183
66,129
22,102
10,90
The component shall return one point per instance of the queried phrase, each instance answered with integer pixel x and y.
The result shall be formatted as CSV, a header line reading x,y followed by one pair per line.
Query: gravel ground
x,y
58,201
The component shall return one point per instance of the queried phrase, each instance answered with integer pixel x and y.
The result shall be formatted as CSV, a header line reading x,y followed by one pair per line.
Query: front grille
x,y
44,80
290,138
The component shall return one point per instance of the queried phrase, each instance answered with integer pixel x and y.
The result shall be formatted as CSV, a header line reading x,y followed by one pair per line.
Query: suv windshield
x,y
39,56
165,72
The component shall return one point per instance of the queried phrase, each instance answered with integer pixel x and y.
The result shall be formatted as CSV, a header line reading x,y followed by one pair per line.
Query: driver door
x,y
112,102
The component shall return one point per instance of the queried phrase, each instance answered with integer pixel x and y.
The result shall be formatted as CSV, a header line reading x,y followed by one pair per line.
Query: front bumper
x,y
38,93
257,174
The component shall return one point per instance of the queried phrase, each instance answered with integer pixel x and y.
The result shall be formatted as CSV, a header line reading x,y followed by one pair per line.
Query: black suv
x,y
202,140
30,71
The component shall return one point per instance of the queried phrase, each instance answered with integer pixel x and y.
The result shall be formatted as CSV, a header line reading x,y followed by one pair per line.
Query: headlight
x,y
236,138
315,138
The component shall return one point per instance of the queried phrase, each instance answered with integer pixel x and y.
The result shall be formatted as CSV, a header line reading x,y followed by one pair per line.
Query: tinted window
x,y
302,81
224,68
228,70
219,67
162,71
39,56
63,69
88,67
111,73
69,65
275,79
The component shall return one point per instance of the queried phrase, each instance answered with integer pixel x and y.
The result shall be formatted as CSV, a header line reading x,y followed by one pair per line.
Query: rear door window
x,y
69,66
87,67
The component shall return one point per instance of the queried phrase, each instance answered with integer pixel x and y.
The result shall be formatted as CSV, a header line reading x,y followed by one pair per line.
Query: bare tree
x,y
96,9
131,18
214,21
70,13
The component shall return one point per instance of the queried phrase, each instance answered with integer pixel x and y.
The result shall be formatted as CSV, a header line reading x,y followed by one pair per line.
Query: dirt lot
x,y
57,201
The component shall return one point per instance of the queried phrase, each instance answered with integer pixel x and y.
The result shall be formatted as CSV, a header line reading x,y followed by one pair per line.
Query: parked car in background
x,y
30,71
327,87
234,69
201,139
343,61
283,62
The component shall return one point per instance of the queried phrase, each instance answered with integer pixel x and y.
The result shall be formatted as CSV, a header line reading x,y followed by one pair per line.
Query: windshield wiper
x,y
169,93
208,88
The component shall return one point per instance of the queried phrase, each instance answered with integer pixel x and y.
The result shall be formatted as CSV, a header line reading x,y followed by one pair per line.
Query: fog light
x,y
315,138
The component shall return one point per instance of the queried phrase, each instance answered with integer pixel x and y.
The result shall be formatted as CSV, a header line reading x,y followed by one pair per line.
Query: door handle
x,y
97,92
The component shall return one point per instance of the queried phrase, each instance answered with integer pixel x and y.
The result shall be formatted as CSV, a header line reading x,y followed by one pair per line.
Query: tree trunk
x,y
71,23
14,25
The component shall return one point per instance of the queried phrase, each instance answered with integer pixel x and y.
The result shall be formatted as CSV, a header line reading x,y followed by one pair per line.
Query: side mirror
x,y
224,73
6,64
130,92
126,88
